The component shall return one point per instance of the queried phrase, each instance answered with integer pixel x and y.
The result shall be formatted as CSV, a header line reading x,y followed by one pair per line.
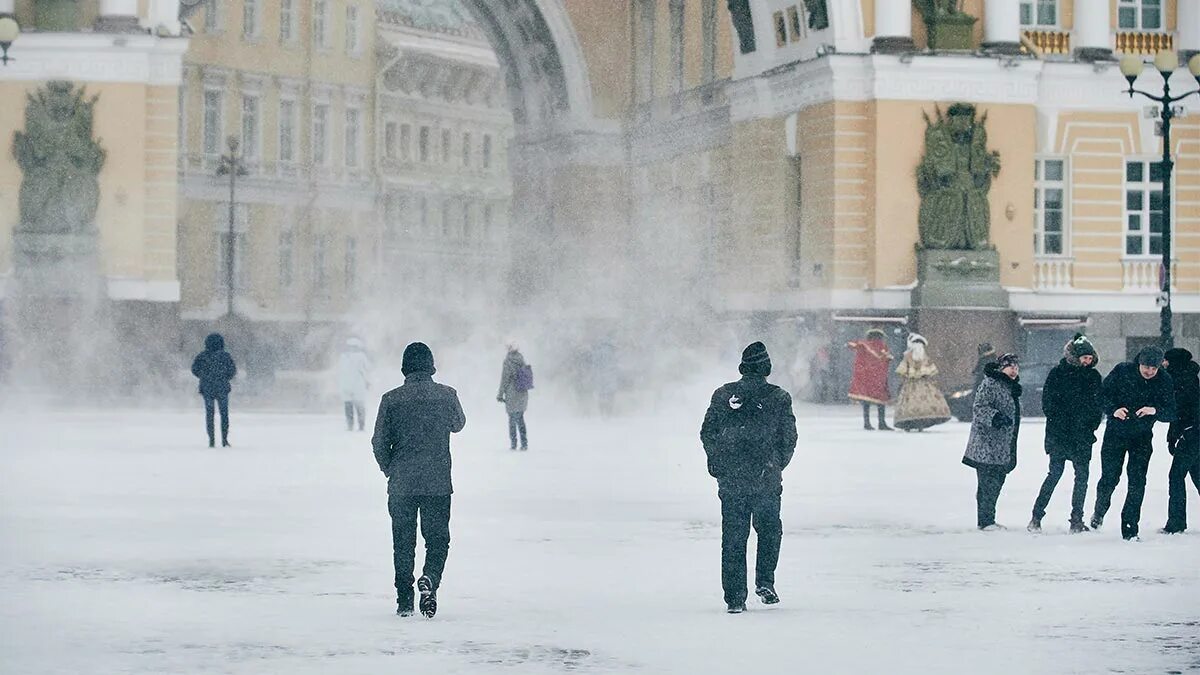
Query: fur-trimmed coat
x,y
997,422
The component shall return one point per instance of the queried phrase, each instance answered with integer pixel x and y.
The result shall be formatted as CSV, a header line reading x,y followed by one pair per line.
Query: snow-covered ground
x,y
126,546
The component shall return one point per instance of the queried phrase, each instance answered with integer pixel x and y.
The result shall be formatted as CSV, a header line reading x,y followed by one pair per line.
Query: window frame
x,y
217,130
1040,185
356,143
251,9
287,22
292,126
1035,7
353,30
320,24
323,137
350,264
252,147
286,260
1145,213
1139,8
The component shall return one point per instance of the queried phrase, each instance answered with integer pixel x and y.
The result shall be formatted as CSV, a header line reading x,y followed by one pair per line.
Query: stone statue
x,y
954,178
60,161
933,9
743,24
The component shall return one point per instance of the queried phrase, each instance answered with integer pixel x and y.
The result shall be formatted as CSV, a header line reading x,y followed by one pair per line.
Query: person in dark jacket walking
x,y
1071,400
1183,436
749,435
995,425
215,368
514,394
412,447
1136,395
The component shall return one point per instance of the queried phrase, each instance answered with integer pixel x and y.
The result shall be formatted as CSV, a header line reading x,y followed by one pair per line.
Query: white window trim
x,y
255,34
1038,223
294,34
1145,184
1043,26
357,50
326,159
221,121
295,144
358,137
324,43
257,155
1137,5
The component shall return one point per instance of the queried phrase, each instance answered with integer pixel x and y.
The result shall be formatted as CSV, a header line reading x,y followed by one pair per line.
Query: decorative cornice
x,y
98,57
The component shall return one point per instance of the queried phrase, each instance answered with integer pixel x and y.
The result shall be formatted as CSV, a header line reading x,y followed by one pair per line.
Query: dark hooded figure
x,y
215,368
1072,403
412,447
992,446
1136,395
749,435
1183,437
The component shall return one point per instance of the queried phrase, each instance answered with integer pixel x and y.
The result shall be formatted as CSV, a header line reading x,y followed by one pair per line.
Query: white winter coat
x,y
353,375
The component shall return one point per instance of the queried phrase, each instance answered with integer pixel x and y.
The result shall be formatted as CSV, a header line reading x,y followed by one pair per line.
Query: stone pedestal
x,y
959,279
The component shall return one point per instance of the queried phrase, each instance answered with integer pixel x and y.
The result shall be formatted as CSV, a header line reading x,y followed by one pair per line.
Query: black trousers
x,y
1183,464
1057,464
987,493
1112,461
211,402
740,512
353,407
516,427
434,513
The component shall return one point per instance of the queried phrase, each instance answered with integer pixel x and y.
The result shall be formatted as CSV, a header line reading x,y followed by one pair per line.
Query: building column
x,y
893,28
118,16
1093,31
1002,26
1189,29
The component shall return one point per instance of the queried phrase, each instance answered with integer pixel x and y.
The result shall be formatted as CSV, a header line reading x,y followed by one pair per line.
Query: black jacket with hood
x,y
214,366
1072,403
1185,375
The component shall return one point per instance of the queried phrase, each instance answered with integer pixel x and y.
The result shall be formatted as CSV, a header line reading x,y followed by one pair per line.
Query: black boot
x,y
1077,527
428,597
882,421
867,418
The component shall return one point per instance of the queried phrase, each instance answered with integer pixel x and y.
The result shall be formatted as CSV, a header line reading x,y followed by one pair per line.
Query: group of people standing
x,y
1155,387
920,404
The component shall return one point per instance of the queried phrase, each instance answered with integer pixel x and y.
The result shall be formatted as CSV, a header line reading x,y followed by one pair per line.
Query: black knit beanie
x,y
1079,346
1150,356
755,360
417,359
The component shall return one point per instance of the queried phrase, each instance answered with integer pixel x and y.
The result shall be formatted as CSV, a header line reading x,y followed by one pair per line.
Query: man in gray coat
x,y
412,447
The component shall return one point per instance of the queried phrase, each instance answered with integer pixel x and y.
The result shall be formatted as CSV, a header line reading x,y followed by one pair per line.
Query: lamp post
x,y
231,165
9,30
1166,63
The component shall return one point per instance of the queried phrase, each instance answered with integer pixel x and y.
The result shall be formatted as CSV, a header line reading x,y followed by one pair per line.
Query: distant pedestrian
x,y
921,403
215,368
869,382
516,379
1072,402
1136,395
1183,437
354,369
412,448
749,435
992,447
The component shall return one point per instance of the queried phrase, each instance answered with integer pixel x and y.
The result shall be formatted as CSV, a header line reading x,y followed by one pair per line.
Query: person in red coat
x,y
869,385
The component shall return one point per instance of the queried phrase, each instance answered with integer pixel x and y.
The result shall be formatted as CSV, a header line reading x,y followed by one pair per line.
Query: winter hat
x,y
914,338
986,349
876,333
1150,356
1008,359
1177,357
417,359
755,360
214,342
1078,347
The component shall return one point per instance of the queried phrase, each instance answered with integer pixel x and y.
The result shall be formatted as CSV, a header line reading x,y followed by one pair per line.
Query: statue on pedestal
x,y
954,178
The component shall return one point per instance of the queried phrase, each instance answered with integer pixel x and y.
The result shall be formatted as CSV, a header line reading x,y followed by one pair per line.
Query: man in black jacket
x,y
1183,437
1072,403
215,368
412,447
1136,395
749,435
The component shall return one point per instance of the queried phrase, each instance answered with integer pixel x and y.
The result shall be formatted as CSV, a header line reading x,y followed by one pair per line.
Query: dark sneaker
x,y
867,426
1077,526
884,427
1171,529
428,602
767,594
1097,522
735,608
1129,531
404,603
1035,524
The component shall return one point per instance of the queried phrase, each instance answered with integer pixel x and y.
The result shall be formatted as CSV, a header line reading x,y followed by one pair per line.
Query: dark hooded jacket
x,y
412,430
1072,402
1126,388
749,435
214,366
1184,433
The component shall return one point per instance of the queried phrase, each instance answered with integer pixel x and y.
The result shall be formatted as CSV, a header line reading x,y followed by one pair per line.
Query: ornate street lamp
x,y
9,30
231,165
1166,63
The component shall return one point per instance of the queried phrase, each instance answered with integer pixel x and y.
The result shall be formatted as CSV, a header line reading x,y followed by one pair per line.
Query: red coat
x,y
872,361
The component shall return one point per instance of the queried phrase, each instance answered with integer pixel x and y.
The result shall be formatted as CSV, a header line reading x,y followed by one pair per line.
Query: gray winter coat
x,y
412,436
514,401
997,422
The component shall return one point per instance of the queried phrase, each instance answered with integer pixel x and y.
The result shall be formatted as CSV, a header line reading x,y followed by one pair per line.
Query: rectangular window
x,y
780,29
250,18
467,222
1140,14
795,27
240,264
423,144
251,125
487,151
1143,208
405,142
708,29
320,23
287,131
352,29
351,264
212,122
644,50
352,136
287,259
466,149
1039,13
212,16
677,16
389,140
320,276
287,20
818,14
446,146
320,134
1049,207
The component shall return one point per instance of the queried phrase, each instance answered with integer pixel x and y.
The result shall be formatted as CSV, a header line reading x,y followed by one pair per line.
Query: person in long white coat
x,y
353,380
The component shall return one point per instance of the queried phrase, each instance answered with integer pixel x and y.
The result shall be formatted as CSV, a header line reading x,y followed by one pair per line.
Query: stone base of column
x,y
892,44
1091,54
1005,48
118,24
